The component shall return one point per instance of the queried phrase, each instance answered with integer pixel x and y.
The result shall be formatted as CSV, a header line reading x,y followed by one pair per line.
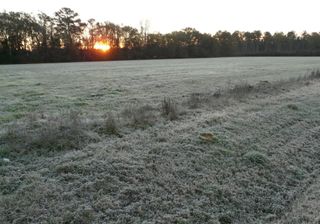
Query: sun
x,y
101,46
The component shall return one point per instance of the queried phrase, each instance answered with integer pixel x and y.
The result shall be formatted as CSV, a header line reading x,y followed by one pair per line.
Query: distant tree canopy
x,y
25,38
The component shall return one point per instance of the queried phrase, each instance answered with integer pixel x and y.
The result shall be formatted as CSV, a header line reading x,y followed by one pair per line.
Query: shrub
x,y
169,109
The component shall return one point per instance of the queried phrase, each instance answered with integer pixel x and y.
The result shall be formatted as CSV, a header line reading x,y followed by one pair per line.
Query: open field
x,y
119,142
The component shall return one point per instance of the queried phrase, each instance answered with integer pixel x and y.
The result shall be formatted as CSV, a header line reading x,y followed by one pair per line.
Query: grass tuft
x,y
225,219
241,90
292,107
195,100
256,158
110,126
54,133
140,116
315,74
169,108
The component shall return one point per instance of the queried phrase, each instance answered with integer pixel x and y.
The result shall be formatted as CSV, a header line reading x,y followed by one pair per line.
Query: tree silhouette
x,y
69,27
64,37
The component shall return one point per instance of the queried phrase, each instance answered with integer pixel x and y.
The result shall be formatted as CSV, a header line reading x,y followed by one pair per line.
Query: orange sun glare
x,y
102,46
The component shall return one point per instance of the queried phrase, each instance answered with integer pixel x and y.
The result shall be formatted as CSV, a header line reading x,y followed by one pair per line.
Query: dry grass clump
x,y
241,90
169,108
221,98
53,133
315,74
110,126
208,137
139,116
195,100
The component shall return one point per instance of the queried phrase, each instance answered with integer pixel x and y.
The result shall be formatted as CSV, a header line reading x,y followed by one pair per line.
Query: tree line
x,y
64,37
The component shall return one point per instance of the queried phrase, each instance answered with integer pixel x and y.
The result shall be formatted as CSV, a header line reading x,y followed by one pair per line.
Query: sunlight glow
x,y
101,46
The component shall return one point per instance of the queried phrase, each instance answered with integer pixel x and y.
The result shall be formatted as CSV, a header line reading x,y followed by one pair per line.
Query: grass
x,y
68,131
240,90
169,108
195,101
42,135
222,98
139,116
110,126
256,158
293,107
225,219
159,171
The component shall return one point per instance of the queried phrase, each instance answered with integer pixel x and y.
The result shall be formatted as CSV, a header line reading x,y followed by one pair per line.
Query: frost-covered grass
x,y
105,86
98,144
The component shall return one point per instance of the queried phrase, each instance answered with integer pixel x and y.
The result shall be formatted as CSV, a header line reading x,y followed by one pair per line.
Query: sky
x,y
204,15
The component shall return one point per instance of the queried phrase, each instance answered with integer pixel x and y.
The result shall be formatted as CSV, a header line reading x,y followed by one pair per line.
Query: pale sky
x,y
204,15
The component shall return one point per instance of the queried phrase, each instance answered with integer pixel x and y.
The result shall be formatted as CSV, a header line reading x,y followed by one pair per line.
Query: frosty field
x,y
92,142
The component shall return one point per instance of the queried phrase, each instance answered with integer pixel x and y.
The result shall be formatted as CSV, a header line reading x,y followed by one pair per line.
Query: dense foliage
x,y
64,37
